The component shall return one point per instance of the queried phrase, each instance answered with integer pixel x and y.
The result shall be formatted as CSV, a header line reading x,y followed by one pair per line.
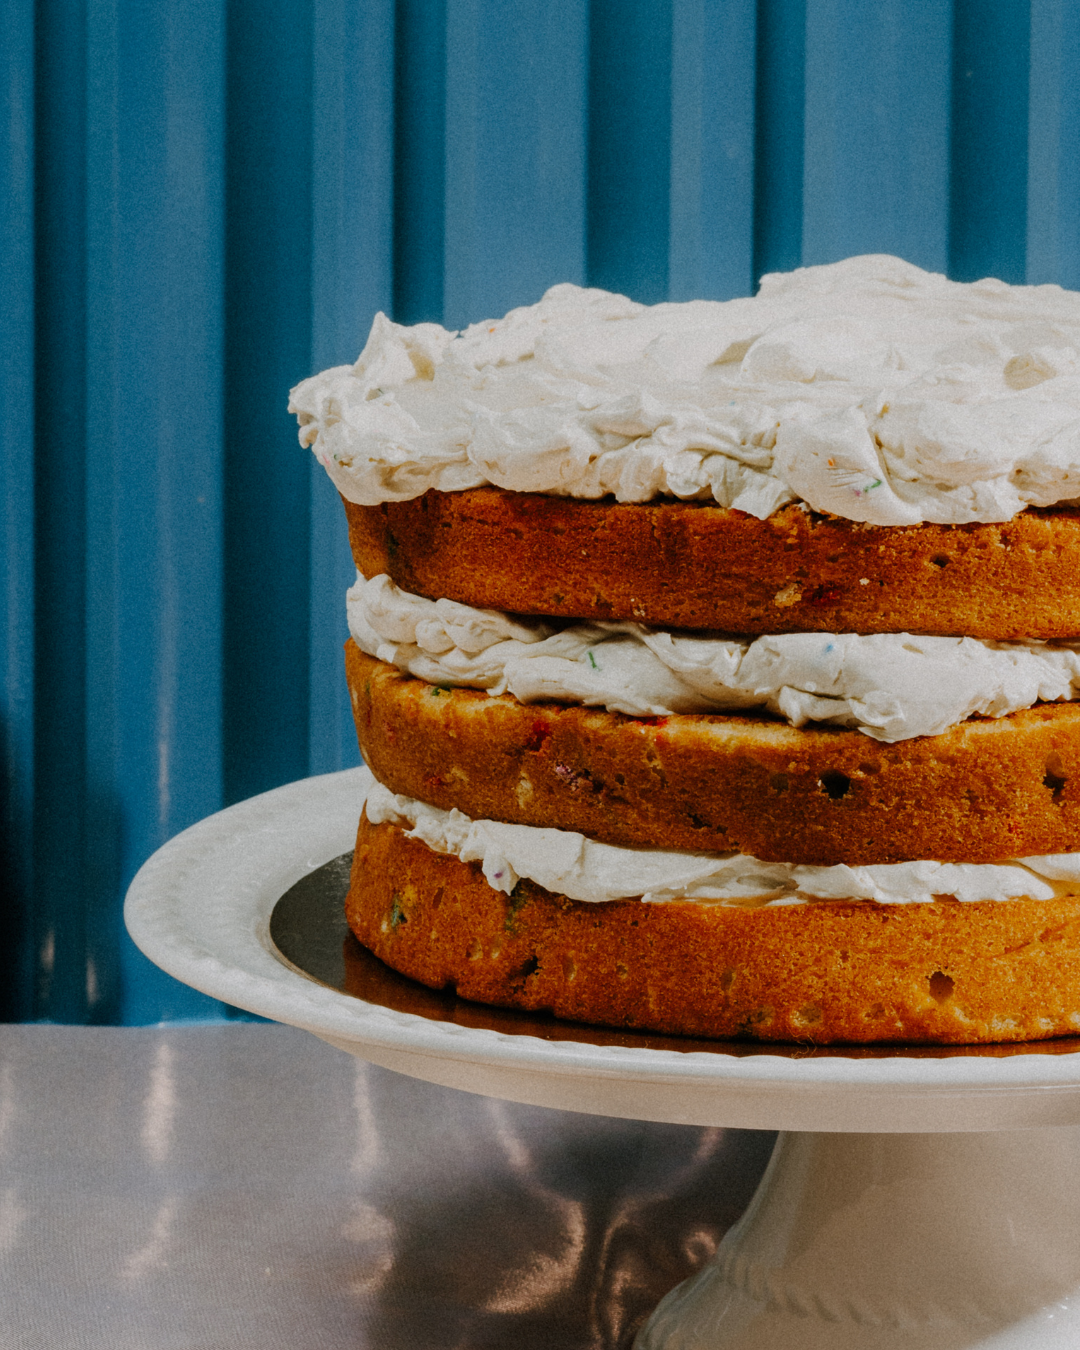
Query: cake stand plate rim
x,y
200,906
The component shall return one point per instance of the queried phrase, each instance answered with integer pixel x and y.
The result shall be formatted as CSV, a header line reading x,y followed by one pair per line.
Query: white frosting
x,y
569,864
891,686
866,388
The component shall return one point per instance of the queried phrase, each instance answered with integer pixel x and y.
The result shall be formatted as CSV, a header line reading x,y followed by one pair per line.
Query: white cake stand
x,y
913,1201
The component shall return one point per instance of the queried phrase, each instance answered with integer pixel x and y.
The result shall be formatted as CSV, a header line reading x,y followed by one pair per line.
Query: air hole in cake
x,y
621,971
569,968
697,822
762,1017
516,901
808,1016
941,986
1056,778
436,899
874,1011
726,980
843,956
474,951
941,560
539,732
529,967
835,783
778,782
870,768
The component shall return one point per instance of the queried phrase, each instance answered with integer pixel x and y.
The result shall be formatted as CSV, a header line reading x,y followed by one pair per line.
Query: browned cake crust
x,y
841,971
985,790
695,565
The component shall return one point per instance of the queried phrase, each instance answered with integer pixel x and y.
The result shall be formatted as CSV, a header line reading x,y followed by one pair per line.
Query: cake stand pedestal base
x,y
894,1242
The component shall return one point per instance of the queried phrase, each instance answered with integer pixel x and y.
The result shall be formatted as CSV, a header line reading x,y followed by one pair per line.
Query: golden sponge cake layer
x,y
985,790
696,565
837,971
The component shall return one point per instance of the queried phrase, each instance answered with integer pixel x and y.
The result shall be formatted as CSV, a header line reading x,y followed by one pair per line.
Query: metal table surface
x,y
243,1185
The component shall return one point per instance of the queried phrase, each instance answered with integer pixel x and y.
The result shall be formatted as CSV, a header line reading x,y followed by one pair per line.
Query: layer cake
x,y
717,662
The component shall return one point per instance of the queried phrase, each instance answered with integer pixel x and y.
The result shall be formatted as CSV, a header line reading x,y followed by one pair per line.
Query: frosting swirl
x,y
869,389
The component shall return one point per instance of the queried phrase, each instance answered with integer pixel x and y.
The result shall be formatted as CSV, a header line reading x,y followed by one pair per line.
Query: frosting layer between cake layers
x,y
868,389
569,864
890,686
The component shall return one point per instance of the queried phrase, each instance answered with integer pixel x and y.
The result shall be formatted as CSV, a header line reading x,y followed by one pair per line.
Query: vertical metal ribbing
x,y
185,558
419,160
59,937
712,149
629,164
876,130
1053,204
267,479
351,279
988,175
153,481
515,154
16,504
779,96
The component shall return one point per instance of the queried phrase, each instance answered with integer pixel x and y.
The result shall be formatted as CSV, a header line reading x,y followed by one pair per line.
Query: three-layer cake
x,y
715,661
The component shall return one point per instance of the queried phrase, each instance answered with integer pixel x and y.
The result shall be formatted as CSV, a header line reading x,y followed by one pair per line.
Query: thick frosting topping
x,y
570,864
866,388
890,686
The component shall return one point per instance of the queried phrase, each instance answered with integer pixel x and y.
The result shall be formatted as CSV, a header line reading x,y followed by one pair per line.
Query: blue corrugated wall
x,y
202,202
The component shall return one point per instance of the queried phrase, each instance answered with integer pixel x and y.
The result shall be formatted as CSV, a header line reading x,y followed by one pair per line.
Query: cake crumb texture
x,y
985,790
698,565
839,971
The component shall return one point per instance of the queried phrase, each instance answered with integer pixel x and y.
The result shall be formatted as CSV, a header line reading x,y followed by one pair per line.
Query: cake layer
x,y
691,565
890,686
833,971
984,791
